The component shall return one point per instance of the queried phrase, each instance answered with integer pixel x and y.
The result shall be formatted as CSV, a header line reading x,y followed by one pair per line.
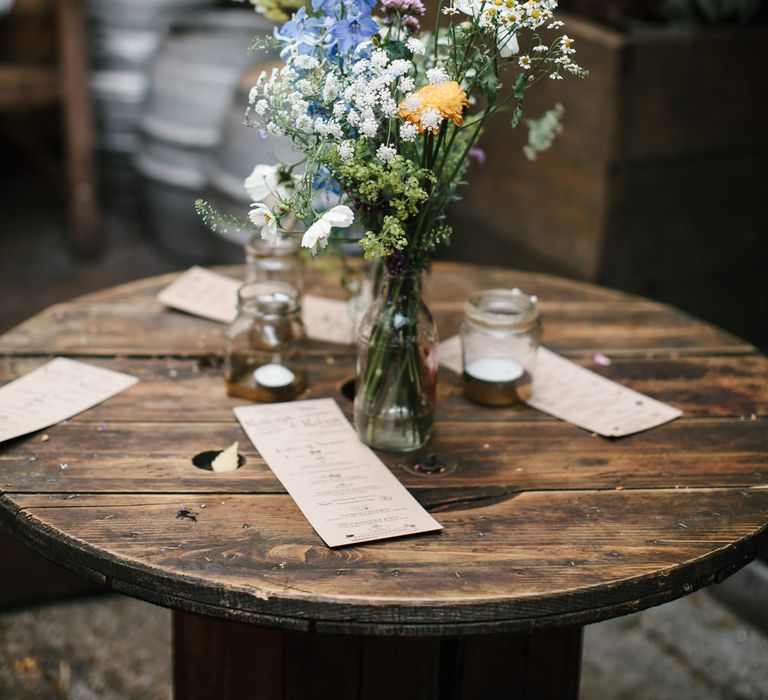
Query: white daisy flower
x,y
262,184
316,236
262,217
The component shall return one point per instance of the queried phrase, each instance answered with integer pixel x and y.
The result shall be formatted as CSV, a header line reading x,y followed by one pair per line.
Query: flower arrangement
x,y
386,116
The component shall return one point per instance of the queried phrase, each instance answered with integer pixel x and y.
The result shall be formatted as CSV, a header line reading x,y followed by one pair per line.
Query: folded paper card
x,y
574,394
203,293
58,390
330,320
344,490
214,296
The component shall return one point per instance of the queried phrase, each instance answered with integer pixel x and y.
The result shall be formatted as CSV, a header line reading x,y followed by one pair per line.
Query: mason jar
x,y
280,262
500,337
266,346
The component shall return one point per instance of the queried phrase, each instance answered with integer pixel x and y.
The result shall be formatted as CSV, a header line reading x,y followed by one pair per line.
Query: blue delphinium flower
x,y
330,8
323,181
301,33
350,32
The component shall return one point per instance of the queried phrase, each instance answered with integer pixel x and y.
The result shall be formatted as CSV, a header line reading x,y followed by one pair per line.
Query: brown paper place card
x,y
58,390
330,320
203,293
572,393
339,484
211,295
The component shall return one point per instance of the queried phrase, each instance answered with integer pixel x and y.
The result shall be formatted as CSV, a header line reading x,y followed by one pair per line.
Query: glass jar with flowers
x,y
385,117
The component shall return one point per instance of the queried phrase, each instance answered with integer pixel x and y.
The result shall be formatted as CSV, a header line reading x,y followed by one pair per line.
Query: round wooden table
x,y
547,527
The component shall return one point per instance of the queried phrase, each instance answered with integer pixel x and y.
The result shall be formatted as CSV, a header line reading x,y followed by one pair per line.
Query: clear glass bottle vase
x,y
396,368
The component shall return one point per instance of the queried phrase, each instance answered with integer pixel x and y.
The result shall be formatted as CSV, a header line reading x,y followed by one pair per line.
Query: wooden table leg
x,y
86,234
228,660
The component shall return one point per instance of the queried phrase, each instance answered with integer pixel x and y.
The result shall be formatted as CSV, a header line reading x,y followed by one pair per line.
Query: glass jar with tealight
x,y
500,338
274,261
265,358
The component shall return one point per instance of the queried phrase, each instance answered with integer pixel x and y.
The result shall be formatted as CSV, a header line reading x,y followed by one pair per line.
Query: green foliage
x,y
263,42
386,240
221,223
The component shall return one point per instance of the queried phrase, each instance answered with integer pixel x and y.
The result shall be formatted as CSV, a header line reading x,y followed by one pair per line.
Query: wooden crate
x,y
657,185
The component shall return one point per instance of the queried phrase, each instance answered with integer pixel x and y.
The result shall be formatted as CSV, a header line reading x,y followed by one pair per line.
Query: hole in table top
x,y
348,389
204,460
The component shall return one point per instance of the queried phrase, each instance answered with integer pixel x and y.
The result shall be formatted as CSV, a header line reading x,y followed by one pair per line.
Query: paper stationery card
x,y
203,293
344,490
330,320
58,390
449,354
213,296
572,393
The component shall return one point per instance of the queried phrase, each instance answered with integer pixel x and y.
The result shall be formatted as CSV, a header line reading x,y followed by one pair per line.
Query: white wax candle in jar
x,y
273,376
494,369
496,381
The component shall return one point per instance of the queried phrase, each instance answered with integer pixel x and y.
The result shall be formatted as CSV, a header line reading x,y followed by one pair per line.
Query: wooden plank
x,y
86,235
29,578
535,559
173,389
538,666
100,329
228,660
320,666
225,660
403,668
578,319
494,459
28,87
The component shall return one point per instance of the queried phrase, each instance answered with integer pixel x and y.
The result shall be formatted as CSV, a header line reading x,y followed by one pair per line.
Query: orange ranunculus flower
x,y
447,98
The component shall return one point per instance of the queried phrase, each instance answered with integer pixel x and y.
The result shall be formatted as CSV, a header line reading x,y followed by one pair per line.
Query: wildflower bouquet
x,y
385,117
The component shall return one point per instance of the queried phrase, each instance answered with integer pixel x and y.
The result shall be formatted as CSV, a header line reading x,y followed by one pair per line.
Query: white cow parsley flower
x,y
437,76
416,47
430,119
386,153
408,131
369,128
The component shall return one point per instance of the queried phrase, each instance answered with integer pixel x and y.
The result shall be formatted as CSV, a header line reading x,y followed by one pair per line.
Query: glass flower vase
x,y
396,368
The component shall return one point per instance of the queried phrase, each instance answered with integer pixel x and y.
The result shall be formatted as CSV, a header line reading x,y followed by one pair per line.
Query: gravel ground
x,y
116,648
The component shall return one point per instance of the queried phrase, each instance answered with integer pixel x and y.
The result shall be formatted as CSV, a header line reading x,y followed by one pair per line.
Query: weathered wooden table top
x,y
545,524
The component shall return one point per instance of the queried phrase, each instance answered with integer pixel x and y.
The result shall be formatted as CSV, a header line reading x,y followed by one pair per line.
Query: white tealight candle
x,y
494,369
273,376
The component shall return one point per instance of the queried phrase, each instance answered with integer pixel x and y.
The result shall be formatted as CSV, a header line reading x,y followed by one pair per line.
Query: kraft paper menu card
x,y
449,354
203,293
574,394
211,295
343,489
330,320
58,390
